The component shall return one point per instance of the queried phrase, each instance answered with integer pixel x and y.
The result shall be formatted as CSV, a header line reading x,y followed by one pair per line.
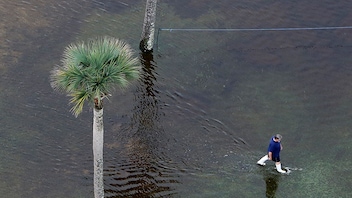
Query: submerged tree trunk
x,y
147,40
98,143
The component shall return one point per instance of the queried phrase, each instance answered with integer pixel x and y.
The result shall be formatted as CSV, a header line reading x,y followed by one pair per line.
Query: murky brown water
x,y
203,111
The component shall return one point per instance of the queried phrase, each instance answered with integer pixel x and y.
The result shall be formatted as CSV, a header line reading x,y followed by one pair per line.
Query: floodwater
x,y
203,111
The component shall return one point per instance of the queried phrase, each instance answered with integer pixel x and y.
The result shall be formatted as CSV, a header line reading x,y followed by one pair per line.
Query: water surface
x,y
203,111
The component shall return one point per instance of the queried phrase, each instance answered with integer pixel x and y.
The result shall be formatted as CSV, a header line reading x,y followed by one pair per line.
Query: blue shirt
x,y
275,148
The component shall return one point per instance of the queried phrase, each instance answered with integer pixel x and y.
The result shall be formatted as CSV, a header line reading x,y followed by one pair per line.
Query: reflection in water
x,y
272,184
146,171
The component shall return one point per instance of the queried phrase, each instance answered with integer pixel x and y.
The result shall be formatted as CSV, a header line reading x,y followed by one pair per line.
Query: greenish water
x,y
202,113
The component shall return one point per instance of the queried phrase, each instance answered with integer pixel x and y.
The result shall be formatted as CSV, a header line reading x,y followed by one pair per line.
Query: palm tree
x,y
89,72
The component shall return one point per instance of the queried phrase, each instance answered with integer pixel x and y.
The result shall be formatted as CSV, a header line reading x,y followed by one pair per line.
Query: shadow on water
x,y
145,171
272,183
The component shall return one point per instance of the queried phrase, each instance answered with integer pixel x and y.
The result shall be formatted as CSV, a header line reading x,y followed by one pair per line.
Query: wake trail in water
x,y
209,144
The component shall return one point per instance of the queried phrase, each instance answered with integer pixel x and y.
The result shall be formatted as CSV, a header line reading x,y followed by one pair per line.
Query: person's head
x,y
278,137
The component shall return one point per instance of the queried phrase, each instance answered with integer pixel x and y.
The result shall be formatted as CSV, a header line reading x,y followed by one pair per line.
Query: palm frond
x,y
78,99
90,70
93,69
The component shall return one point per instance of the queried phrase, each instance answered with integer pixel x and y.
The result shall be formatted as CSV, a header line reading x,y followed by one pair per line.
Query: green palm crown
x,y
91,70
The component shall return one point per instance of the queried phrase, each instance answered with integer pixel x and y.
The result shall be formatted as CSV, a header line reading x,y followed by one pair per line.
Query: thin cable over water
x,y
247,30
253,29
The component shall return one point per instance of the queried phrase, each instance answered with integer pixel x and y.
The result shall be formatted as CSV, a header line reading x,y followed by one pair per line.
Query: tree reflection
x,y
147,172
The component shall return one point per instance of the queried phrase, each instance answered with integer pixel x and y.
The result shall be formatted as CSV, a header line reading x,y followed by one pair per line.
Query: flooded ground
x,y
203,111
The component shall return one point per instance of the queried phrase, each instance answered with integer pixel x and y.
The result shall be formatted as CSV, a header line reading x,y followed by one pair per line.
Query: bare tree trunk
x,y
98,143
147,40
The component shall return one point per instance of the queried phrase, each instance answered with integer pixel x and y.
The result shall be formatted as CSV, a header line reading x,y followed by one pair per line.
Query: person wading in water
x,y
274,149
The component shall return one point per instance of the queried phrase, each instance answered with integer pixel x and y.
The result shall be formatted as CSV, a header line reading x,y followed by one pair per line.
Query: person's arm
x,y
270,154
281,146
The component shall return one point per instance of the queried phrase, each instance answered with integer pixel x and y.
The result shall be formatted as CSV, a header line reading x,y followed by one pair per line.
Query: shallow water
x,y
201,115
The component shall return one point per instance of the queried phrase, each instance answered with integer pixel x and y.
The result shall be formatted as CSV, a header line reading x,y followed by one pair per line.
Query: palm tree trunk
x,y
147,40
98,143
